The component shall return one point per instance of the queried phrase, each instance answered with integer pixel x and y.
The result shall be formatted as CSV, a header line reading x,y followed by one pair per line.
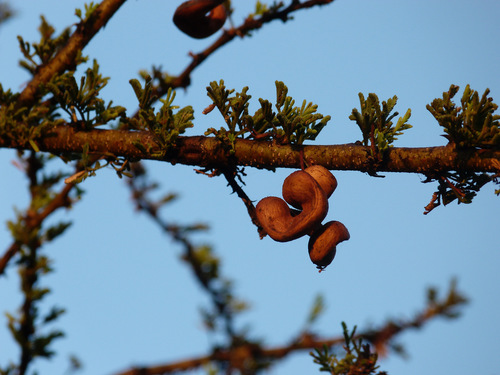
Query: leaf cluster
x,y
375,122
28,326
25,124
473,124
89,10
40,53
289,124
262,8
82,102
358,359
165,124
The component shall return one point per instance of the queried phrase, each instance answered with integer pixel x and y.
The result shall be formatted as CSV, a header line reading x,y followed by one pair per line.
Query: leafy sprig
x,y
165,124
358,358
82,102
375,122
473,124
89,9
290,124
36,54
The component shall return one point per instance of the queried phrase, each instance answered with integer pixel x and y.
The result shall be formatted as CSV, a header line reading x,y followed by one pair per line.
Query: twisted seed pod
x,y
324,178
323,243
191,17
283,224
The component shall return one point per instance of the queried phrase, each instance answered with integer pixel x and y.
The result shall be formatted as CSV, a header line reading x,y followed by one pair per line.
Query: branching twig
x,y
380,338
65,58
34,220
250,24
178,234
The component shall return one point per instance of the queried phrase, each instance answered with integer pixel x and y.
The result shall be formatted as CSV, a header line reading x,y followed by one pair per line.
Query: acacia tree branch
x,y
380,337
210,152
65,58
250,24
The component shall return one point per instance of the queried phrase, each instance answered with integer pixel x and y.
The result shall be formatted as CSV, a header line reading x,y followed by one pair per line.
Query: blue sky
x,y
129,299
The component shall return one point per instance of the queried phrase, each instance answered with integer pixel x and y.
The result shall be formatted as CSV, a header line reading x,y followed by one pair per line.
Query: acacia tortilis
x,y
200,18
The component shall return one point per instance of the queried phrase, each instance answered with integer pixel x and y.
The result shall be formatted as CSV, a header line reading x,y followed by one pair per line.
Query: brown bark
x,y
211,153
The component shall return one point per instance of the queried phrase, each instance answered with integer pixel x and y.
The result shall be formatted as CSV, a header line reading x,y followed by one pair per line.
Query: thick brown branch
x,y
65,58
209,152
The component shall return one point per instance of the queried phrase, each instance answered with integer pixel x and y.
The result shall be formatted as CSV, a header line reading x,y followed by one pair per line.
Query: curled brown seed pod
x,y
323,243
324,178
200,18
283,224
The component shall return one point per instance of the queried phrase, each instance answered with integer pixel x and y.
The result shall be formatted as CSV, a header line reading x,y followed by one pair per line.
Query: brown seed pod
x,y
324,178
283,224
323,243
191,17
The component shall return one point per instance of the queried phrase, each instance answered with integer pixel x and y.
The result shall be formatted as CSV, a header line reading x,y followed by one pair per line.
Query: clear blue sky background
x,y
129,299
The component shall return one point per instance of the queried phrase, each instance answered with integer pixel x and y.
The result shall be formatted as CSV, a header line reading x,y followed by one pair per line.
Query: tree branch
x,y
250,24
209,152
65,58
380,337
34,220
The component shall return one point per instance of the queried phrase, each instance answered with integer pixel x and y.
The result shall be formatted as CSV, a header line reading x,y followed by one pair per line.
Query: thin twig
x,y
34,220
250,24
230,177
379,337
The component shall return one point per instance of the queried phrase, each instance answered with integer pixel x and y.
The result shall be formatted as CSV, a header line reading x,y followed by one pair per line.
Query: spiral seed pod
x,y
191,17
324,178
323,243
283,224
297,189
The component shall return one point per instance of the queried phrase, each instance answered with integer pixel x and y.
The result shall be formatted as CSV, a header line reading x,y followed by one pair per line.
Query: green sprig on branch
x,y
165,124
473,124
375,122
290,124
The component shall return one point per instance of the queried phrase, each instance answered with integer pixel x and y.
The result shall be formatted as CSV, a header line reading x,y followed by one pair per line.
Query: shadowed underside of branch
x,y
210,152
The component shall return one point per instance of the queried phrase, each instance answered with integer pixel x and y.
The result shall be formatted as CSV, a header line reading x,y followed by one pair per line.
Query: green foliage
x,y
261,9
30,328
289,125
40,53
473,124
83,100
165,125
25,124
80,102
318,307
89,9
375,122
358,359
